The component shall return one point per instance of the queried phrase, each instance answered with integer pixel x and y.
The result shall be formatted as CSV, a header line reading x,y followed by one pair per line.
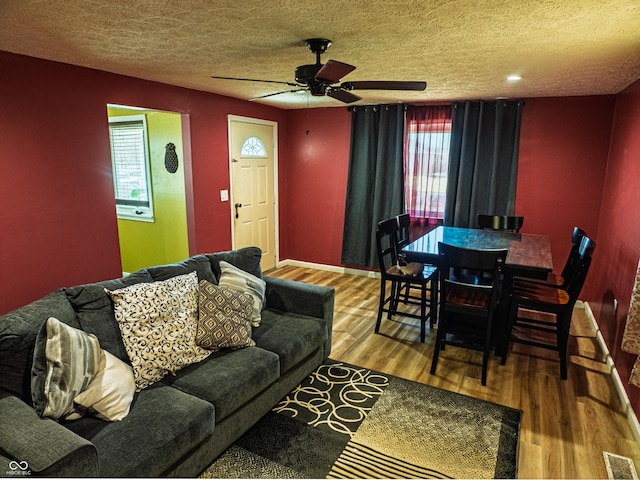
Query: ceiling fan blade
x,y
278,93
291,84
343,95
384,85
333,71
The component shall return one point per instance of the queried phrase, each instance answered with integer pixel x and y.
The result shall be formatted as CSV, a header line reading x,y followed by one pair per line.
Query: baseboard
x,y
622,393
329,268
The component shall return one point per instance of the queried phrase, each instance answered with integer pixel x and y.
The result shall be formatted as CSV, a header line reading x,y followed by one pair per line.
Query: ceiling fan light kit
x,y
319,79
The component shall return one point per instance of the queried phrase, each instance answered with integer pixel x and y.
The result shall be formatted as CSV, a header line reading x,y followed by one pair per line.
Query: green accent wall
x,y
144,244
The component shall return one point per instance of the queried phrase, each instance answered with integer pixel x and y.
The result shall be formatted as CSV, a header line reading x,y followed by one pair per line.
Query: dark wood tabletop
x,y
528,254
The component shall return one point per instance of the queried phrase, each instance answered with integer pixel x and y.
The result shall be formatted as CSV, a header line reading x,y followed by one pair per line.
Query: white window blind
x,y
131,167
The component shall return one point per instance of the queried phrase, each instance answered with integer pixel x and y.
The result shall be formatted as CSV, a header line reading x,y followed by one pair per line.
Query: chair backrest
x,y
514,223
575,284
455,258
404,222
574,255
500,222
387,244
493,222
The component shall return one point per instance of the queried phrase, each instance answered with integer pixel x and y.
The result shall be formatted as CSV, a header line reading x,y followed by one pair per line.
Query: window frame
x,y
126,209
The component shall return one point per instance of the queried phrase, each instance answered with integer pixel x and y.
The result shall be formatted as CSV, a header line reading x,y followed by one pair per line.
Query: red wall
x,y
563,152
58,223
314,190
562,163
616,257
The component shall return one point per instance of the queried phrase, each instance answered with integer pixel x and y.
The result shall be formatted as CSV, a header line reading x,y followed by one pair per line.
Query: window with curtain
x,y
426,161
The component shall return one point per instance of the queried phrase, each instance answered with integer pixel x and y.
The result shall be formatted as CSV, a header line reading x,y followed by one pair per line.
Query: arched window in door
x,y
253,147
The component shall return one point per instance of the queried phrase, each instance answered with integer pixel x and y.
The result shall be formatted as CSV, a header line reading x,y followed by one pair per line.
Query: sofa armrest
x,y
302,298
41,445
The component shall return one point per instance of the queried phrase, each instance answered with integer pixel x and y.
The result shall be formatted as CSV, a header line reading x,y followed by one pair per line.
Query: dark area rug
x,y
345,421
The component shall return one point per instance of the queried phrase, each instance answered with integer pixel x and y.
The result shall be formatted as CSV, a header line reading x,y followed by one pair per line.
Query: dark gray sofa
x,y
179,425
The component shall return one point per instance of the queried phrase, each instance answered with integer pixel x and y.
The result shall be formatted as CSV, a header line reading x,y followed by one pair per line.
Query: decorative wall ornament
x,y
171,158
631,335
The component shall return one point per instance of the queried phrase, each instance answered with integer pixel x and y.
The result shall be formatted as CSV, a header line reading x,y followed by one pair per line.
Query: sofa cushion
x,y
236,278
158,322
18,330
291,336
163,427
228,378
198,263
224,318
94,309
247,259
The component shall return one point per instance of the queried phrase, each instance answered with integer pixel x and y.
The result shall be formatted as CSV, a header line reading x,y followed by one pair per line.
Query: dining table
x,y
528,255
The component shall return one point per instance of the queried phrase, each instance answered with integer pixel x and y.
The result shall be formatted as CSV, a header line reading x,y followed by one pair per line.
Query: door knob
x,y
237,206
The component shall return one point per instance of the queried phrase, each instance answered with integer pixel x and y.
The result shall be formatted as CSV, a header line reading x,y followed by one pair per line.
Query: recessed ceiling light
x,y
514,78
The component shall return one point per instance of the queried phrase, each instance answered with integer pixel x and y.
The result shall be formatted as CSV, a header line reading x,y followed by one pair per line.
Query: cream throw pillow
x,y
110,393
158,322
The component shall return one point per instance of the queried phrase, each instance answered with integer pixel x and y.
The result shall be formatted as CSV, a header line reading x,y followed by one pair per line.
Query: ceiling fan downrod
x,y
305,74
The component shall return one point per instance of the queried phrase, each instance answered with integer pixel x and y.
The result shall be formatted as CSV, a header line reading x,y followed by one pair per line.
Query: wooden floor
x,y
566,425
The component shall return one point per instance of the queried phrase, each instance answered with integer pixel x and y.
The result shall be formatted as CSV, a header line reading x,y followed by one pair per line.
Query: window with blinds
x,y
130,161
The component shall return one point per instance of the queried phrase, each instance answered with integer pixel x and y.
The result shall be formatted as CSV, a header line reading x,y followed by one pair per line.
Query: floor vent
x,y
619,467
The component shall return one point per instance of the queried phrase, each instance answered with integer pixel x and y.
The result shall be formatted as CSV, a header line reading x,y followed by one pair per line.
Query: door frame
x,y
276,216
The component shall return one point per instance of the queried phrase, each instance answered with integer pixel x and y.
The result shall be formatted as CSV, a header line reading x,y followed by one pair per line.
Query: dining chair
x,y
467,309
390,274
510,223
527,299
561,279
404,239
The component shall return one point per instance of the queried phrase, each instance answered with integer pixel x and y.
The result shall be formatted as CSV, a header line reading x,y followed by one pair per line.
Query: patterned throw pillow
x,y
224,319
158,322
237,279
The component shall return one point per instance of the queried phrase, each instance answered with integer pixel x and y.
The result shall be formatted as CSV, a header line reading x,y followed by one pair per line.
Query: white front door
x,y
253,200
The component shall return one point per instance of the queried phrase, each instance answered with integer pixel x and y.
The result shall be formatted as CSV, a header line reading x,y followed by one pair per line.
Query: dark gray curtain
x,y
483,161
375,186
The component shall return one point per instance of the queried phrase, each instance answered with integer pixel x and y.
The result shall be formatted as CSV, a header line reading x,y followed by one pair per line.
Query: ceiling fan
x,y
320,79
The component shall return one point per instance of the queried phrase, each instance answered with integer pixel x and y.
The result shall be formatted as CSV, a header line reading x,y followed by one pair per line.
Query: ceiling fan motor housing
x,y
306,73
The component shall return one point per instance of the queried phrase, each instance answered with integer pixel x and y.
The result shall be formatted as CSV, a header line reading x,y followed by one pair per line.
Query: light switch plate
x,y
224,195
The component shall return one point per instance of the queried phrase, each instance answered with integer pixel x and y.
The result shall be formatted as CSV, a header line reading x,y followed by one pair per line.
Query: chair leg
x,y
511,321
383,288
433,303
396,287
564,320
485,353
438,344
423,312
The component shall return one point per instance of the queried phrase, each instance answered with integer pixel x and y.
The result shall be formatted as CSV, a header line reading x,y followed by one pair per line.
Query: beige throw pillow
x,y
158,322
110,393
224,318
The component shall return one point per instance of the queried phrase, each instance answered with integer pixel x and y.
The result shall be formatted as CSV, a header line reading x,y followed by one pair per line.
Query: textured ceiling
x,y
463,49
